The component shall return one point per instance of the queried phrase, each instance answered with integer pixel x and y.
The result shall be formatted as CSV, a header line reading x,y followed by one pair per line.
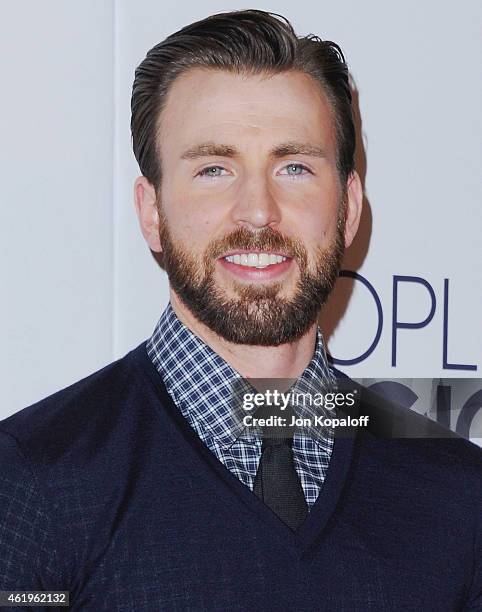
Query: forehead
x,y
229,108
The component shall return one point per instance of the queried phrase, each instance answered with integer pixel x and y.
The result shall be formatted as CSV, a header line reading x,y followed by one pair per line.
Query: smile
x,y
255,266
255,260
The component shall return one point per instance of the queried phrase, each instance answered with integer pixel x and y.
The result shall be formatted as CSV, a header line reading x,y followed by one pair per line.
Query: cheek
x,y
192,226
313,218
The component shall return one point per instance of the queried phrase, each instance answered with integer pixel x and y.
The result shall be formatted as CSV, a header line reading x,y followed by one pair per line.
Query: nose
x,y
255,206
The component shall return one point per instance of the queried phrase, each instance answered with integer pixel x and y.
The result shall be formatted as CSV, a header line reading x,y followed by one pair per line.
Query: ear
x,y
353,207
146,208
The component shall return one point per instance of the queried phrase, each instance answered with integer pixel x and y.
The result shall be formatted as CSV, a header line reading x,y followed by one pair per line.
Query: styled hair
x,y
247,42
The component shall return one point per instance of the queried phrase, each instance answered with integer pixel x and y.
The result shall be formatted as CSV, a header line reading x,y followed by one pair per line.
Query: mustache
x,y
266,239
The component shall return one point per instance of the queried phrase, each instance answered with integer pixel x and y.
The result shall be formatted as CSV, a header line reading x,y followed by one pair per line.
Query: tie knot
x,y
270,442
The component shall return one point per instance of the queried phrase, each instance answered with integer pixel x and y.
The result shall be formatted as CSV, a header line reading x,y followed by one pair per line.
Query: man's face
x,y
249,178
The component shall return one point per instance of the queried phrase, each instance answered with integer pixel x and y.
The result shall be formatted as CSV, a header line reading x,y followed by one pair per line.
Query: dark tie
x,y
277,483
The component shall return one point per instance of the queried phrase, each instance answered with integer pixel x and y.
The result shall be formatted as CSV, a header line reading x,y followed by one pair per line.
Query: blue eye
x,y
211,171
296,169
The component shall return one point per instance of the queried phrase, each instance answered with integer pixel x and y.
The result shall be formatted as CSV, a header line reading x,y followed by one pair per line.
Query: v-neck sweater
x,y
108,493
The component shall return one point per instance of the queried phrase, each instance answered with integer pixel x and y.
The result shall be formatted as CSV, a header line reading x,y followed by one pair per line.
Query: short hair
x,y
248,42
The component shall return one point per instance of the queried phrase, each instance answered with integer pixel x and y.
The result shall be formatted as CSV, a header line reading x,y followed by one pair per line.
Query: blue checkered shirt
x,y
200,383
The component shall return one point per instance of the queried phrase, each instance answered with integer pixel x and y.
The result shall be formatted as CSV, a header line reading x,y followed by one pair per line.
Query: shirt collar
x,y
201,382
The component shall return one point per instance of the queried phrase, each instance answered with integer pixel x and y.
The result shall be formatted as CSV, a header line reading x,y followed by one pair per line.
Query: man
x,y
134,489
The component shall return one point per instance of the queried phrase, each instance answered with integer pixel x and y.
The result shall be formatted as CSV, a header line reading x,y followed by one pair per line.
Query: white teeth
x,y
255,260
263,259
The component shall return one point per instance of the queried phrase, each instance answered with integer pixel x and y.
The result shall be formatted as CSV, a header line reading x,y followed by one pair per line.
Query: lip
x,y
243,251
255,274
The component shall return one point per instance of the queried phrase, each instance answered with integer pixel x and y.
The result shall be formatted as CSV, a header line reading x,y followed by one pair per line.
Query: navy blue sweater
x,y
105,491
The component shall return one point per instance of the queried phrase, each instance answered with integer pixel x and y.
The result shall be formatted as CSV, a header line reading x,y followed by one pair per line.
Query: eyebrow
x,y
298,148
212,149
209,149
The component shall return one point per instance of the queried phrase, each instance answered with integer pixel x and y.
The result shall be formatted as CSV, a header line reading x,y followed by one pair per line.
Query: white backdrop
x,y
80,287
56,232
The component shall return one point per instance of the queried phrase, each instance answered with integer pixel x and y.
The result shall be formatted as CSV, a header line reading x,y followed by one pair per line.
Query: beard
x,y
258,314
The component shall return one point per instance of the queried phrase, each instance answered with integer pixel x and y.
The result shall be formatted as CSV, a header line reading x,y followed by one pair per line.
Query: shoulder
x,y
63,460
415,441
58,423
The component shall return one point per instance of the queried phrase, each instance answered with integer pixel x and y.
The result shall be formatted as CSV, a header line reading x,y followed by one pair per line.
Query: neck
x,y
283,361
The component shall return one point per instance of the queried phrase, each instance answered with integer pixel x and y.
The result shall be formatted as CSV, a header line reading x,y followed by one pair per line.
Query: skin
x,y
252,188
